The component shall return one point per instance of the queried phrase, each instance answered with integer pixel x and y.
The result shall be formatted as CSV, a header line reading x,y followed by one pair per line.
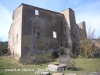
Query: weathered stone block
x,y
42,73
62,65
58,74
57,67
95,73
71,74
53,67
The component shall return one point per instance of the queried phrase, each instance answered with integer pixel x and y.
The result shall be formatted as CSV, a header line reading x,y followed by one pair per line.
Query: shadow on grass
x,y
2,68
40,64
75,69
1,73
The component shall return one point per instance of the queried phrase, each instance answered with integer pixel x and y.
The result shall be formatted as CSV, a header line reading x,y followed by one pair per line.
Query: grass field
x,y
10,66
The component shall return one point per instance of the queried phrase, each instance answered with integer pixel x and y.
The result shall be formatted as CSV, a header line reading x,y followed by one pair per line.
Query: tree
x,y
86,46
91,33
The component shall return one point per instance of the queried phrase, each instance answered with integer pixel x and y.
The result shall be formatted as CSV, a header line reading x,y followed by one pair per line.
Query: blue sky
x,y
85,10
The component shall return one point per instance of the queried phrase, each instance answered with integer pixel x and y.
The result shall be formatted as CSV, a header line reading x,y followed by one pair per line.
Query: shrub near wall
x,y
37,58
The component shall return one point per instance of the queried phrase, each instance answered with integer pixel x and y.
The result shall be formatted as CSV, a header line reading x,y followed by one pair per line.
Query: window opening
x,y
54,34
17,36
36,12
37,32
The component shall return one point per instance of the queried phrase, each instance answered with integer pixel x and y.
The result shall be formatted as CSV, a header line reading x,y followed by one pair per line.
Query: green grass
x,y
84,65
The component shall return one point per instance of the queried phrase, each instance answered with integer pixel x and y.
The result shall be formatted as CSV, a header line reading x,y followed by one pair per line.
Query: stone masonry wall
x,y
15,33
67,28
71,28
82,30
37,30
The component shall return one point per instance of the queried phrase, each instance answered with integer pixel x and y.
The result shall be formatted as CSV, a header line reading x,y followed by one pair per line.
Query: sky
x,y
85,10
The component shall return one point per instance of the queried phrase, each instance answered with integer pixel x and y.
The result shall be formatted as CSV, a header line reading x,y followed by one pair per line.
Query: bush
x,y
89,49
66,59
37,58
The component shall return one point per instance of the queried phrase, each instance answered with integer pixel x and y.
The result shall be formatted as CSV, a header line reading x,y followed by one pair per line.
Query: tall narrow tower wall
x,y
71,28
67,27
27,29
14,43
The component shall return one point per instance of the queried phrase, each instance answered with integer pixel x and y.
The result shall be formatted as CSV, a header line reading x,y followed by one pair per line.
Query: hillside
x,y
3,45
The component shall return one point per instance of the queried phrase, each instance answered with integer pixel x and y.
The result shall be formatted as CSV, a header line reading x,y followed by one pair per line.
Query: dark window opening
x,y
17,36
74,35
37,32
55,54
66,44
61,44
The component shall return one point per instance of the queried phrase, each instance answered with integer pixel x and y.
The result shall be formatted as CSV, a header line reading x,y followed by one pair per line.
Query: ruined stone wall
x,y
15,33
67,28
37,30
10,40
82,30
71,29
96,42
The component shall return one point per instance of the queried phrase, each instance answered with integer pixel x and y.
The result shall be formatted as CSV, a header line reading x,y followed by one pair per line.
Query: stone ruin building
x,y
36,29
